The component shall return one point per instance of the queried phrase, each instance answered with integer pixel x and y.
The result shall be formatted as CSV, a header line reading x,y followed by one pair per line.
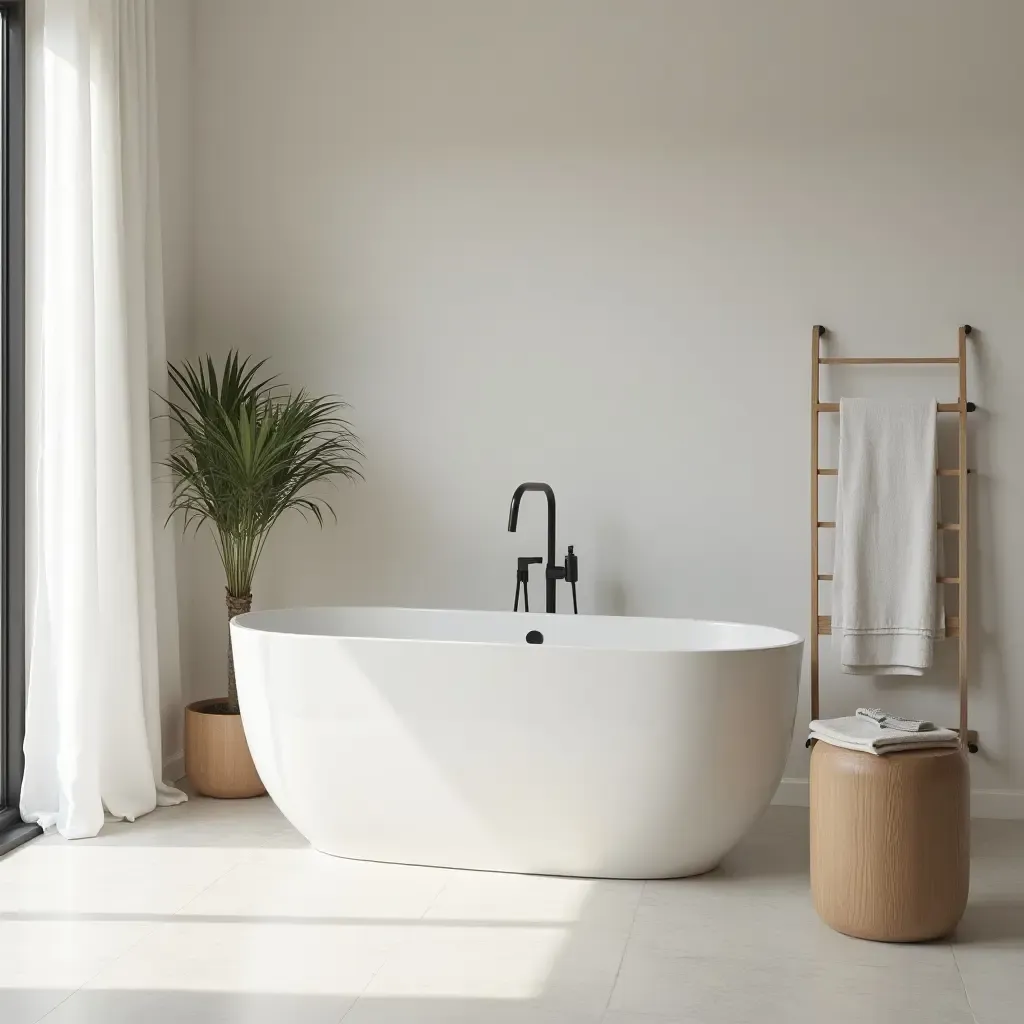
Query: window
x,y
12,422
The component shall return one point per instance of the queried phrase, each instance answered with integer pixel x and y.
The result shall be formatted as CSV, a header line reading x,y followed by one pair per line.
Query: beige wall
x,y
585,241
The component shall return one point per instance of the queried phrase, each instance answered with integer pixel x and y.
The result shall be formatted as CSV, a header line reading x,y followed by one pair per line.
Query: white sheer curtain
x,y
96,350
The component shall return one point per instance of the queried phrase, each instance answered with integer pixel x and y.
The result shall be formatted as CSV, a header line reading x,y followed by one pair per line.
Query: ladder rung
x,y
938,472
941,407
826,525
825,625
886,360
826,577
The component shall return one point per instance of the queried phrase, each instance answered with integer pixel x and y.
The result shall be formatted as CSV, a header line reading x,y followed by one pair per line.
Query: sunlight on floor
x,y
263,918
219,912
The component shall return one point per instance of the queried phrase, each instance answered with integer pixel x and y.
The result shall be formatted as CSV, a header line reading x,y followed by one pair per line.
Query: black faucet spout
x,y
513,522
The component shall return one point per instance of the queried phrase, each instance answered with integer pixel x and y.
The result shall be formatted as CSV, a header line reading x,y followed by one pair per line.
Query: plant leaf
x,y
245,451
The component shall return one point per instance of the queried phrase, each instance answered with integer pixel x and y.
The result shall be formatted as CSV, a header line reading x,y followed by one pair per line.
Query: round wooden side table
x,y
890,841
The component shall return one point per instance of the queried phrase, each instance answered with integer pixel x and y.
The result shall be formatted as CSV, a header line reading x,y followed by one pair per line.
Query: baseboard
x,y
174,767
793,793
985,803
997,803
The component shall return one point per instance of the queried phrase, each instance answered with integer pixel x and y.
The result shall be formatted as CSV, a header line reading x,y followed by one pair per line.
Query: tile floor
x,y
218,912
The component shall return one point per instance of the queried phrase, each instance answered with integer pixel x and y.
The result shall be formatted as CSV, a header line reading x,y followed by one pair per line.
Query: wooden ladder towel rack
x,y
956,627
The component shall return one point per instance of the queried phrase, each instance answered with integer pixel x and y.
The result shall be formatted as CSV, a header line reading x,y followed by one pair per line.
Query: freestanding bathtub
x,y
615,747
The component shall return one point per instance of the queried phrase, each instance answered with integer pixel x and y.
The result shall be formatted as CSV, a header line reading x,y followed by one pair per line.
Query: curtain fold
x,y
101,663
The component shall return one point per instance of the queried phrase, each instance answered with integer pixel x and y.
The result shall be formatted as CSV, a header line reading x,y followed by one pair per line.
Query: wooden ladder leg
x,y
962,541
816,334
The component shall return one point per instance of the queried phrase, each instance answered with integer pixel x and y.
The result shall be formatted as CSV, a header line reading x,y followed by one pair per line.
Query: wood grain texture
x,y
833,471
827,577
217,758
962,666
886,360
827,524
941,407
890,842
815,389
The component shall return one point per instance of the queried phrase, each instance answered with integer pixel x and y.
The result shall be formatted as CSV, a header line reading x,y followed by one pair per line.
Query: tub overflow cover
x,y
535,636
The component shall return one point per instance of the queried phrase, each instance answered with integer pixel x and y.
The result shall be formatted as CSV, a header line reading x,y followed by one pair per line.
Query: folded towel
x,y
857,733
880,718
886,605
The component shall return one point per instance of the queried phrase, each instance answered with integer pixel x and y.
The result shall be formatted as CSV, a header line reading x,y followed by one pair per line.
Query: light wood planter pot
x,y
890,842
217,758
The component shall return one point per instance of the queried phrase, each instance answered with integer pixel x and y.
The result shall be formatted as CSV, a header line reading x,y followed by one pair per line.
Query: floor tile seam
x,y
779,959
111,961
963,983
387,956
178,911
39,1020
625,949
106,966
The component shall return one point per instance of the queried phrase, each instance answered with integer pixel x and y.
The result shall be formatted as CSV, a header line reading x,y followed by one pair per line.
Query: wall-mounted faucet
x,y
552,572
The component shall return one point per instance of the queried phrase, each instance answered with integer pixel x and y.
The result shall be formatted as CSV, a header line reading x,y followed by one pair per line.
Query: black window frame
x,y
13,830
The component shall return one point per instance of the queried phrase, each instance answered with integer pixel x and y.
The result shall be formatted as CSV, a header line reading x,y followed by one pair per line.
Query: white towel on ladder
x,y
887,608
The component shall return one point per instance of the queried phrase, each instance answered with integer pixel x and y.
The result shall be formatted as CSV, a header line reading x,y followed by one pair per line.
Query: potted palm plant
x,y
245,450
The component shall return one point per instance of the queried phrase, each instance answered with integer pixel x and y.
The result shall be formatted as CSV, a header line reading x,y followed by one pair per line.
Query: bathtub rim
x,y
249,621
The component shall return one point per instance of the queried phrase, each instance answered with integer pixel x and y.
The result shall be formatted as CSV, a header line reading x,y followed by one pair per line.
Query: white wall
x,y
585,241
175,51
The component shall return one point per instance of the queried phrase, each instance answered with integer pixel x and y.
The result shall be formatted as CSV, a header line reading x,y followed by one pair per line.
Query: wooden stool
x,y
890,842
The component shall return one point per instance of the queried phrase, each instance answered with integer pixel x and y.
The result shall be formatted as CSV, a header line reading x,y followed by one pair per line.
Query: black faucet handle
x,y
572,567
524,563
523,580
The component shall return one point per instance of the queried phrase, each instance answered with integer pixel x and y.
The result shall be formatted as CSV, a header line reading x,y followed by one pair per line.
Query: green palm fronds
x,y
246,452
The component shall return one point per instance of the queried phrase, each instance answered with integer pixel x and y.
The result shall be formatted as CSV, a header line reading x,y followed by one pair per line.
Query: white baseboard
x,y
997,803
985,803
174,767
1007,804
793,793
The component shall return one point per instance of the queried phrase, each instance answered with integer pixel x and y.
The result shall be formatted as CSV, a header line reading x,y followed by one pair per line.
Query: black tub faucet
x,y
523,581
552,572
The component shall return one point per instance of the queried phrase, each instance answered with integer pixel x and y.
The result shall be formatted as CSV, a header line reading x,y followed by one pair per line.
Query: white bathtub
x,y
620,747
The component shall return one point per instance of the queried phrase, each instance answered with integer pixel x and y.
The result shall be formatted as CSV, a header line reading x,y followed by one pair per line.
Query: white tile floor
x,y
218,912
